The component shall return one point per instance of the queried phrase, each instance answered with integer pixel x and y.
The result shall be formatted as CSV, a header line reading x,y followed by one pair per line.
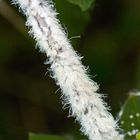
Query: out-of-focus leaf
x,y
138,136
84,4
130,116
73,20
44,137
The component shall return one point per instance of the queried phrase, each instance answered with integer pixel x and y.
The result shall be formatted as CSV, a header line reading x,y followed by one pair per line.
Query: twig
x,y
9,14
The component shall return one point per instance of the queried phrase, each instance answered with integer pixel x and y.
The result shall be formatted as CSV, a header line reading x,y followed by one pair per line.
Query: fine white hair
x,y
79,91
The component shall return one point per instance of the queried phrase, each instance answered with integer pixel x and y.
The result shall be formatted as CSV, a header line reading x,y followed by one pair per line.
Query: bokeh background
x,y
107,34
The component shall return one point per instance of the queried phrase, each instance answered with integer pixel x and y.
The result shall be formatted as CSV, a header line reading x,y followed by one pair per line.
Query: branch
x,y
9,14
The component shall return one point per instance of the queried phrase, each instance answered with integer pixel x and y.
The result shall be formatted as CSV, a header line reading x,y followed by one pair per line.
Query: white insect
x,y
79,91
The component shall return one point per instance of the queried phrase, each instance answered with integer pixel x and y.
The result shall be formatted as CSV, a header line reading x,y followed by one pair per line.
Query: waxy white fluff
x,y
79,91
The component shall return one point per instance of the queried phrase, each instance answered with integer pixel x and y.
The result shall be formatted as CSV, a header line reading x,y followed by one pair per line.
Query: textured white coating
x,y
79,91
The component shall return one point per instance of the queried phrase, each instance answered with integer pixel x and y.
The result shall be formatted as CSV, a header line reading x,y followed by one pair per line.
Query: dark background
x,y
109,42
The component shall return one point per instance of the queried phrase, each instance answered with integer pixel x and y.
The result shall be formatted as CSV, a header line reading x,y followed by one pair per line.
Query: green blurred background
x,y
109,40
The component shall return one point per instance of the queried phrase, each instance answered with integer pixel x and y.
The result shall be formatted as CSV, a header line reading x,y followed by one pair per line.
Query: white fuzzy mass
x,y
79,91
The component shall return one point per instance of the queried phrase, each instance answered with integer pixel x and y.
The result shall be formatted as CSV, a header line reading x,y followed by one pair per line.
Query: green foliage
x,y
73,20
83,4
44,137
110,44
130,117
138,136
